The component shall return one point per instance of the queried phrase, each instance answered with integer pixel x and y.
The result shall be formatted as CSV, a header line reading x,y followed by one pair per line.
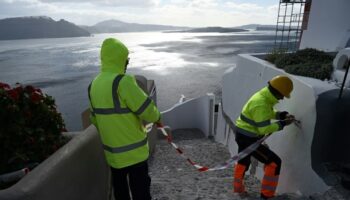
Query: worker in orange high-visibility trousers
x,y
254,123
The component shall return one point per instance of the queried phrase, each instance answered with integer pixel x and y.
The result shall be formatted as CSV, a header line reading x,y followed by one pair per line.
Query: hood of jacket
x,y
114,55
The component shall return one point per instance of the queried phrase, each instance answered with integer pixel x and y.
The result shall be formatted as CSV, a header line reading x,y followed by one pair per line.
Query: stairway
x,y
175,179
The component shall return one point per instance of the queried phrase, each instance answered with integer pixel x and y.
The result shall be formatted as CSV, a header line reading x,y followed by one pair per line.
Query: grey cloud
x,y
117,3
18,9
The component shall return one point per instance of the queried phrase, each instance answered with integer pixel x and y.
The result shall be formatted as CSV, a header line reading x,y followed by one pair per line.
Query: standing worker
x,y
254,123
119,106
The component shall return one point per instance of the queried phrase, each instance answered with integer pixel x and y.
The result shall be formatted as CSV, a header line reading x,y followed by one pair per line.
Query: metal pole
x,y
342,85
278,18
290,26
299,27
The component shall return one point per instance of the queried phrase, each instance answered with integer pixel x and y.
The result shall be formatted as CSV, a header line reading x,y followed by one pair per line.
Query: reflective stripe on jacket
x,y
255,119
118,106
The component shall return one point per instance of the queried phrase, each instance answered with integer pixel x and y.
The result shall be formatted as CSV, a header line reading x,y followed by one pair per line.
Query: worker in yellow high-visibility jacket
x,y
253,123
118,106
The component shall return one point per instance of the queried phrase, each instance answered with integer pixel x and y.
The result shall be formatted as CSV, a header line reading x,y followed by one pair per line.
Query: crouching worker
x,y
118,106
254,123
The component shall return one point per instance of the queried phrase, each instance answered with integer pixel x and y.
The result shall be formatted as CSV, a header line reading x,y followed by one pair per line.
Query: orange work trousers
x,y
263,154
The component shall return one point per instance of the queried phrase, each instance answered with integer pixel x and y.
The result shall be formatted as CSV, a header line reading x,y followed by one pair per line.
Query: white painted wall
x,y
329,25
194,113
78,170
338,63
292,144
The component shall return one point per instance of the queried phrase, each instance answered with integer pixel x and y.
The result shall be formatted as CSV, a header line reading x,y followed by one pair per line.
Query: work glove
x,y
287,121
289,116
159,124
283,115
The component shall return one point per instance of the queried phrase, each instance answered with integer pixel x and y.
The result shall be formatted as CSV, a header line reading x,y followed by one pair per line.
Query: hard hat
x,y
283,84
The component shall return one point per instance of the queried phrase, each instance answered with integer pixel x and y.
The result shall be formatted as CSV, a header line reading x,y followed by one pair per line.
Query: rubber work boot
x,y
269,182
238,176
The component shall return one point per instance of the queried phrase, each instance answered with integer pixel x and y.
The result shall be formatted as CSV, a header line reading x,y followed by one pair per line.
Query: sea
x,y
189,64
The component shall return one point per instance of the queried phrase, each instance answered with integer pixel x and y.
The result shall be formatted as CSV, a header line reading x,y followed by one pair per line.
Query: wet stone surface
x,y
173,178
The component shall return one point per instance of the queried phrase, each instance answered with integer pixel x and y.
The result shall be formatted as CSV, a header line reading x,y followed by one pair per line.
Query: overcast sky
x,y
193,13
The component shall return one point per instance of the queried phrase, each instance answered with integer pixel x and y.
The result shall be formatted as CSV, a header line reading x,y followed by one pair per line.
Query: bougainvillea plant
x,y
30,127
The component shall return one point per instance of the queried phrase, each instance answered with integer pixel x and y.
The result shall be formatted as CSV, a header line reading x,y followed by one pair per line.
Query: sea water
x,y
191,64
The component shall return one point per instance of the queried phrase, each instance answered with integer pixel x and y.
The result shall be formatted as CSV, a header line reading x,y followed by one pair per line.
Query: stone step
x,y
173,178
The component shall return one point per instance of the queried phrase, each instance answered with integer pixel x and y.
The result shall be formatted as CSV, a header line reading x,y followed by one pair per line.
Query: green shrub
x,y
306,62
315,70
30,128
274,54
314,55
287,59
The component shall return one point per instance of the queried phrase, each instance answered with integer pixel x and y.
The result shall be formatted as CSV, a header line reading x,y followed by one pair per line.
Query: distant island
x,y
116,26
210,30
266,28
258,27
45,27
38,27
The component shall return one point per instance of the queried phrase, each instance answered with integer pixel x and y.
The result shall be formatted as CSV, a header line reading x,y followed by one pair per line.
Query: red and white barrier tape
x,y
222,166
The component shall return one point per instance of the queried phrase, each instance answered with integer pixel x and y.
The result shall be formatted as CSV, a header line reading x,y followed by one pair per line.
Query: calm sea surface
x,y
180,63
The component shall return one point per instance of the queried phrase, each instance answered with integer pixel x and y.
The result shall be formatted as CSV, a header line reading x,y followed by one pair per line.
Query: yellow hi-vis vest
x,y
256,115
118,106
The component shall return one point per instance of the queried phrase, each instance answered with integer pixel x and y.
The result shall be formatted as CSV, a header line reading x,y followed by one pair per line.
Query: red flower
x,y
19,88
30,88
4,86
38,90
13,94
30,117
35,97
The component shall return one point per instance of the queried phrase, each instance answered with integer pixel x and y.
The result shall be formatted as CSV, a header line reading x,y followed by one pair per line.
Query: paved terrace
x,y
175,179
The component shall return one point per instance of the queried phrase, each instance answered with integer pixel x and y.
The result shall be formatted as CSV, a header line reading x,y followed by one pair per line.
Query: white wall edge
x,y
291,144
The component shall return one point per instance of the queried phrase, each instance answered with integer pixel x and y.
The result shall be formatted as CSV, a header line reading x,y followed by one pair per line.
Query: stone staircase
x,y
173,178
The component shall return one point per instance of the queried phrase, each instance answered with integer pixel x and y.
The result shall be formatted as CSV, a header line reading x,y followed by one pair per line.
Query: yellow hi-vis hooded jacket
x,y
118,106
255,119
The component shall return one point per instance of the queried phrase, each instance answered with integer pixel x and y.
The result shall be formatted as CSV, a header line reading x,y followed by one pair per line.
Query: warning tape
x,y
230,162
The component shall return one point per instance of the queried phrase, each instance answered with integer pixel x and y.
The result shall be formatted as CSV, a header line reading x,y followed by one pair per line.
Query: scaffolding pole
x,y
290,24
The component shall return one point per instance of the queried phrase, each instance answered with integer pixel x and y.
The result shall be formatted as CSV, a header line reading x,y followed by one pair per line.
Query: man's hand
x,y
289,119
289,116
283,115
159,124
